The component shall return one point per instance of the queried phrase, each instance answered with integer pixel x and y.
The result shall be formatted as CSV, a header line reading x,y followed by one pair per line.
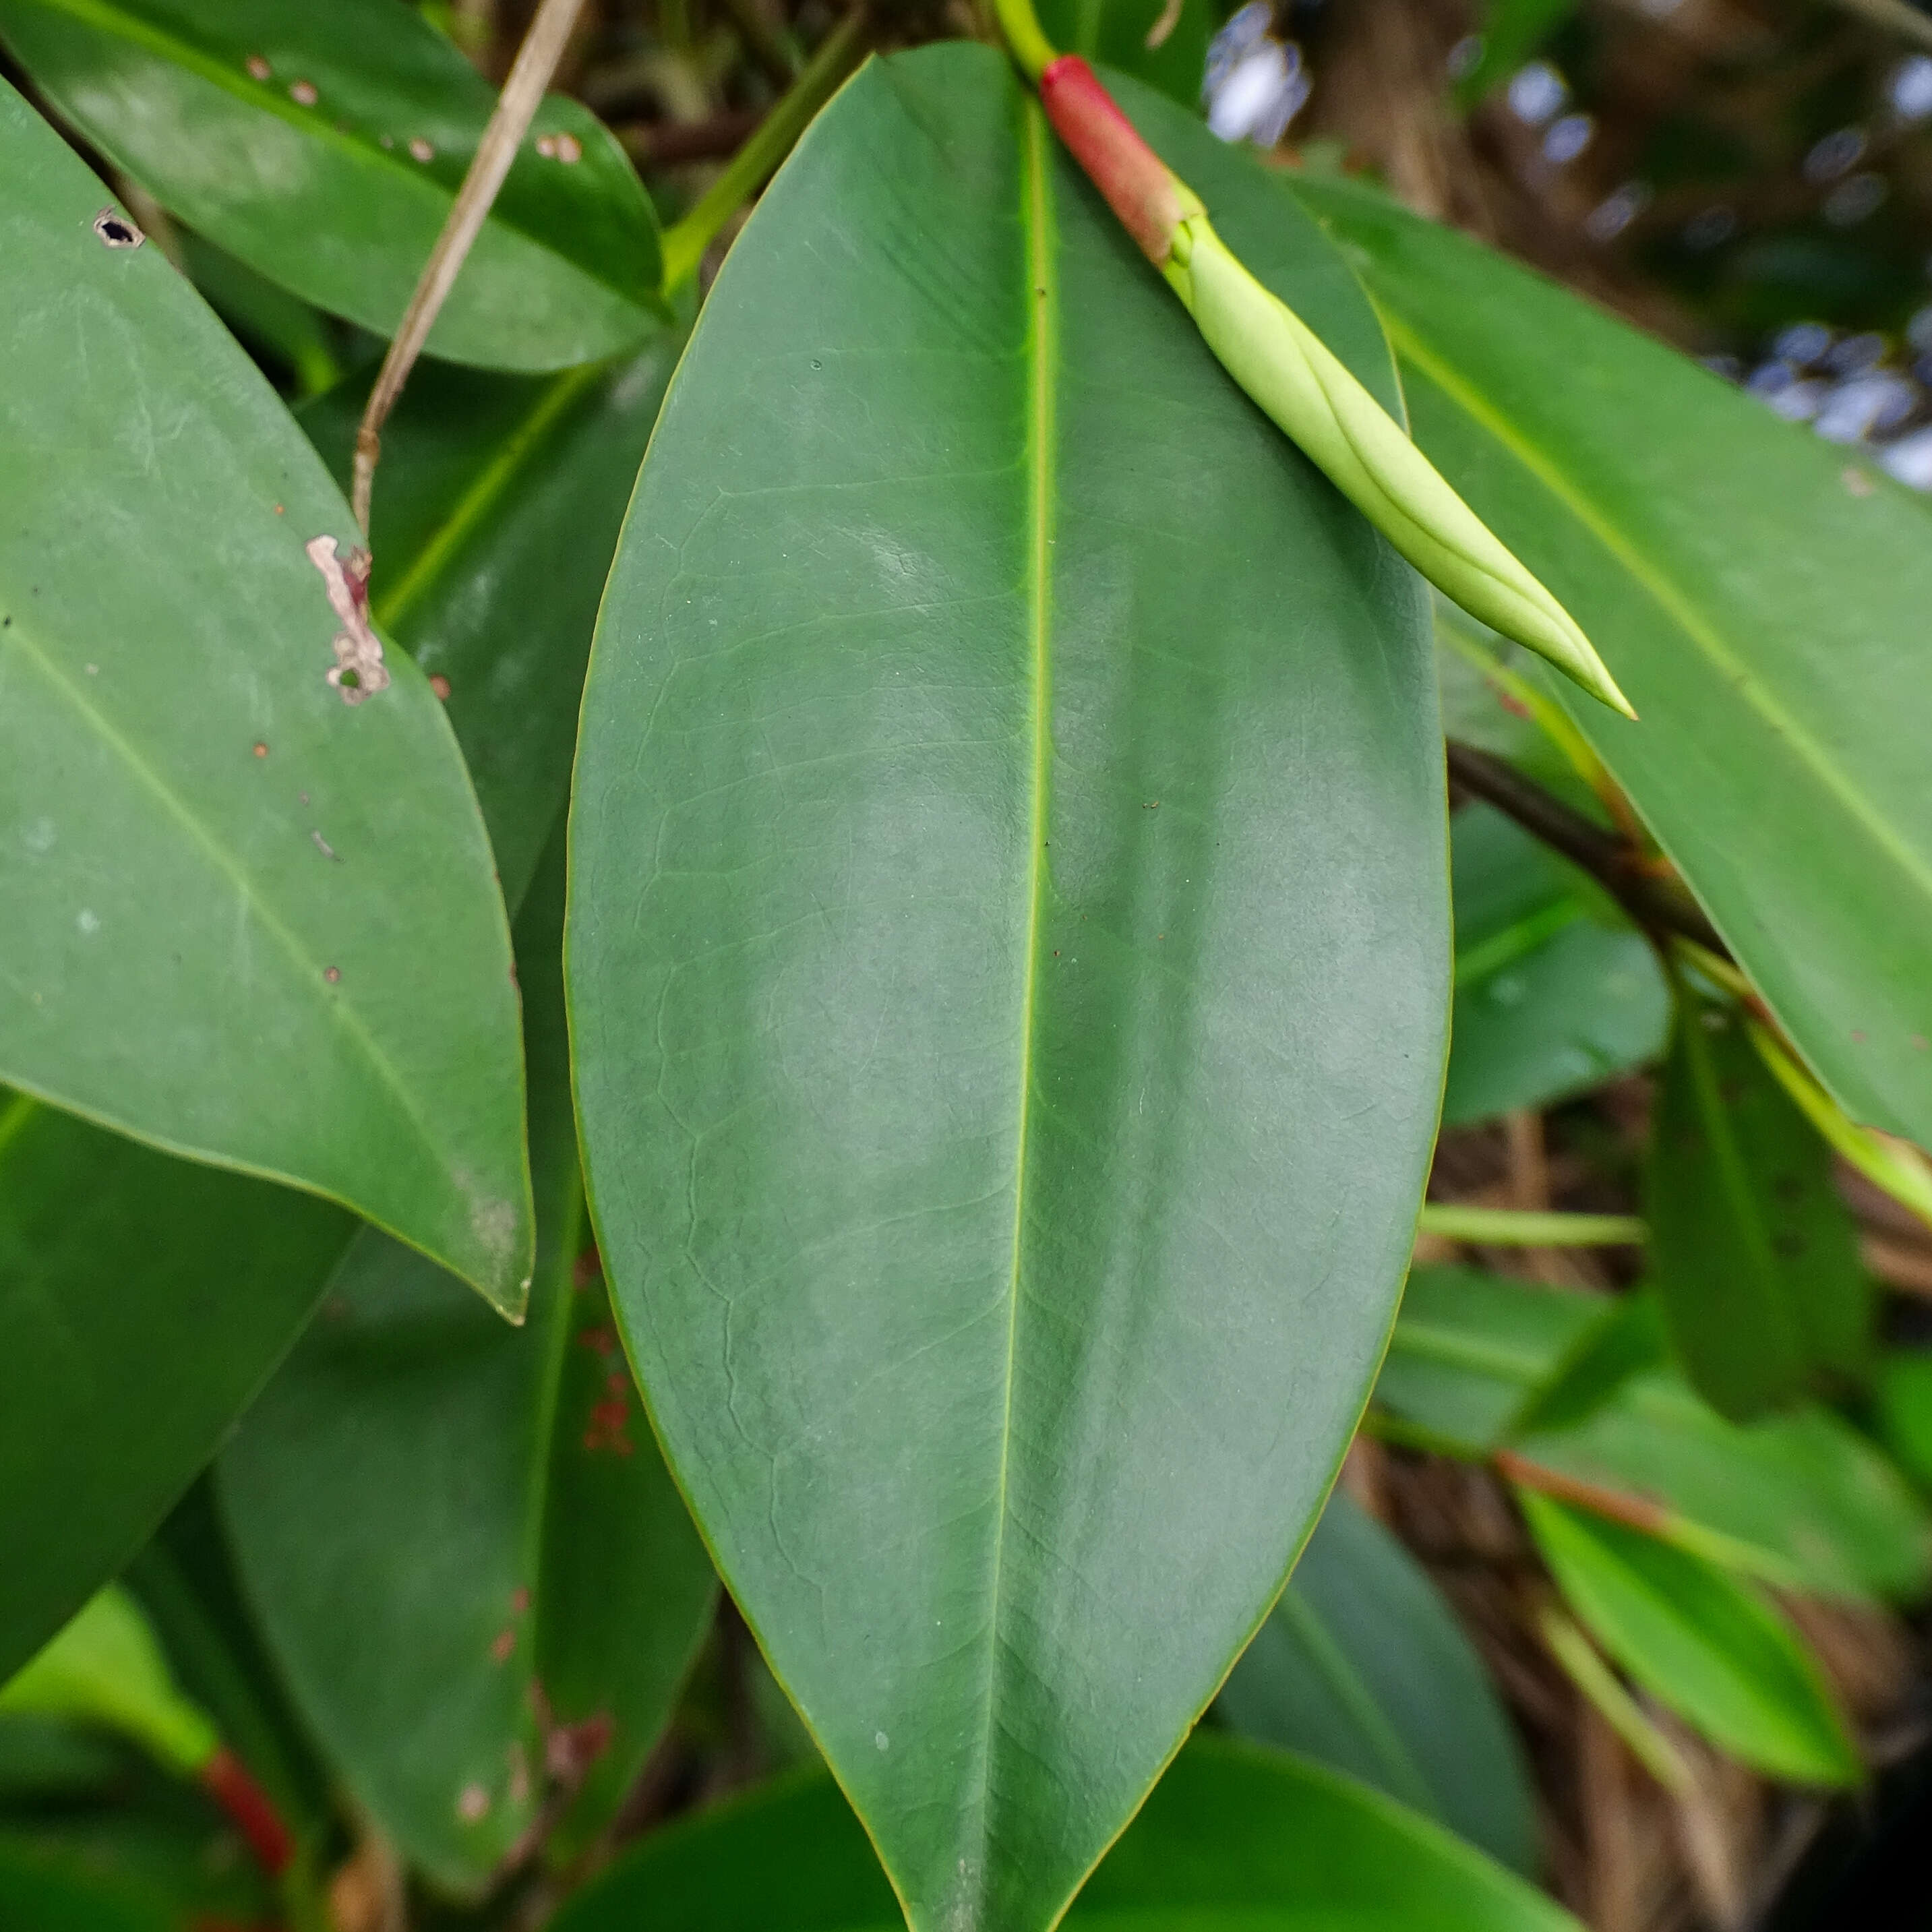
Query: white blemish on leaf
x,y
358,671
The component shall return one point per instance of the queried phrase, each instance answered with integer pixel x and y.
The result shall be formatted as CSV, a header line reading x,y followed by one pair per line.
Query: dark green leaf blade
x,y
394,1499
1234,1839
1699,1642
948,501
1363,1666
323,146
1754,1256
1554,992
1762,604
246,921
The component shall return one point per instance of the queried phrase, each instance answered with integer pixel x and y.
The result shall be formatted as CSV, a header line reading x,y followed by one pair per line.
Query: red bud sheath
x,y
1132,177
227,1780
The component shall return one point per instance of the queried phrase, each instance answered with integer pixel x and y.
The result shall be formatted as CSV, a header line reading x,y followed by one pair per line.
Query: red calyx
x,y
1127,172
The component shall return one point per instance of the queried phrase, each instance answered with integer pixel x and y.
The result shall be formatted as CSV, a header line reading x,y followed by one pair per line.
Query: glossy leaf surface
x,y
1800,1498
1007,962
1234,1839
1700,1642
466,1554
225,886
1554,992
1754,1255
1761,601
492,530
1363,1666
109,1254
323,146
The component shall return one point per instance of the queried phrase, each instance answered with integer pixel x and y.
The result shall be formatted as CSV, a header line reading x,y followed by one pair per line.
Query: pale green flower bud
x,y
1300,384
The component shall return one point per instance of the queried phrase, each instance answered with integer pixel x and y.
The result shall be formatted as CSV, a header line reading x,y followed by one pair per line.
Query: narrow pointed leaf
x,y
1007,968
323,146
1554,991
1234,1839
1700,1642
1363,1666
1761,598
1754,1255
395,1499
225,886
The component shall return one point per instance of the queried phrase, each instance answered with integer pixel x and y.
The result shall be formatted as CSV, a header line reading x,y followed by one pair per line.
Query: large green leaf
x,y
1007,955
1361,1665
465,1551
1699,1642
1235,1839
1763,603
143,1300
1754,1255
245,920
323,146
1554,991
1799,1498
498,511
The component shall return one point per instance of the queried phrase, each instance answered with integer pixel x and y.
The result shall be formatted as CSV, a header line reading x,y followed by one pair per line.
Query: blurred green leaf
x,y
1554,990
105,1668
42,1891
1699,1642
1903,1402
225,888
323,146
1007,1043
269,320
1117,33
1363,1666
1753,1255
1759,594
466,1555
1627,1338
1800,1498
1234,1838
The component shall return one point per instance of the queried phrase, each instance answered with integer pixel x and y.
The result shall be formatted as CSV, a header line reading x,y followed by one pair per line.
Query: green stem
x,y
686,241
1516,1228
1030,47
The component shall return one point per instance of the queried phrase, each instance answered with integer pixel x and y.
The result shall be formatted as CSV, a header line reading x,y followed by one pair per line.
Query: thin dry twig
x,y
529,75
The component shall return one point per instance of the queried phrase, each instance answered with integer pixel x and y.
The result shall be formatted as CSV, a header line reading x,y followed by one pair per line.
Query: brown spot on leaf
x,y
587,1267
501,1644
569,149
420,150
472,1803
439,685
327,851
603,1340
116,230
302,93
331,973
520,1600
547,146
1859,481
358,671
258,67
261,749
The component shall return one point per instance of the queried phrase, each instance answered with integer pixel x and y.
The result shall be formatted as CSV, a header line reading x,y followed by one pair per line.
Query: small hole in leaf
x,y
116,230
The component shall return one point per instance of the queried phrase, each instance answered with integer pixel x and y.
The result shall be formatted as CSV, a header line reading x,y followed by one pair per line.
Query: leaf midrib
x,y
108,19
1669,598
1035,219
342,1014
